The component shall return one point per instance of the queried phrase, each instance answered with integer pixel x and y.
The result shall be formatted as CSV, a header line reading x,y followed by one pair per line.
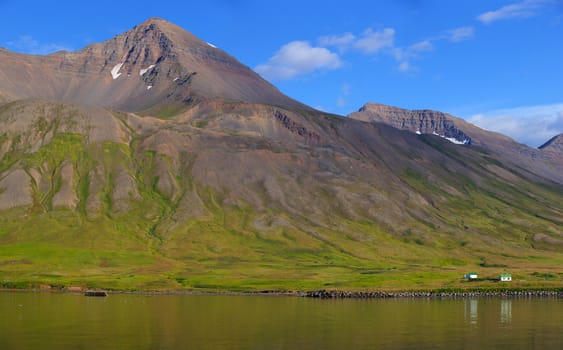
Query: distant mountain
x,y
417,121
156,161
458,131
156,66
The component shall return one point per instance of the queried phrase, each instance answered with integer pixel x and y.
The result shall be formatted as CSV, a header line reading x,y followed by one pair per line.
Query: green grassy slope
x,y
190,205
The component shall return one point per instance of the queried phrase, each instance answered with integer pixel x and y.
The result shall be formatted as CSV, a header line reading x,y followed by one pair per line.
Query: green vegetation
x,y
547,276
122,215
201,124
144,249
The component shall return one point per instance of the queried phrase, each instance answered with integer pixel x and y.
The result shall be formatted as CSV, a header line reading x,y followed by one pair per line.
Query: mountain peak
x,y
171,30
370,106
156,66
155,20
417,121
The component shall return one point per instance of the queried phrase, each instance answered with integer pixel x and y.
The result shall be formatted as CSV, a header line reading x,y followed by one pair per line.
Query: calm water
x,y
68,321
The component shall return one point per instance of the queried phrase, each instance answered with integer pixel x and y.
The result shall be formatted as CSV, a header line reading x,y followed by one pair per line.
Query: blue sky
x,y
497,64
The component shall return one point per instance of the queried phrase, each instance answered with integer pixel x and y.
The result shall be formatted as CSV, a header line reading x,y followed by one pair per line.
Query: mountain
x,y
417,121
155,67
554,144
223,183
532,161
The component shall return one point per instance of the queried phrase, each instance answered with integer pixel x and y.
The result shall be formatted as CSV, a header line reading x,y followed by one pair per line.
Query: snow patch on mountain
x,y
451,139
143,71
115,71
456,141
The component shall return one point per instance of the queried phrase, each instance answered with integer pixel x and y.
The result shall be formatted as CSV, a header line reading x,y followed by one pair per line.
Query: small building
x,y
505,277
471,276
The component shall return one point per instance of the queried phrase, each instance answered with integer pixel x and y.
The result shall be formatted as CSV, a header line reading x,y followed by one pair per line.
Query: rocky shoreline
x,y
328,294
338,294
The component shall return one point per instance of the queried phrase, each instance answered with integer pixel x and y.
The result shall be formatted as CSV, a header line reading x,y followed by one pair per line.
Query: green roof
x,y
505,275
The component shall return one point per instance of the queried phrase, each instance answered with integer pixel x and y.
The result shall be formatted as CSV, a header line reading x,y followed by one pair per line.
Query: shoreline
x,y
330,294
436,294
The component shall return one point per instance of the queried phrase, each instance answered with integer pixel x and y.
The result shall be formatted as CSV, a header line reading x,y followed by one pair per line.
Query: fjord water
x,y
72,321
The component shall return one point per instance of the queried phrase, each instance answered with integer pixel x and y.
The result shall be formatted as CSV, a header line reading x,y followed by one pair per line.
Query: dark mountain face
x,y
156,67
240,186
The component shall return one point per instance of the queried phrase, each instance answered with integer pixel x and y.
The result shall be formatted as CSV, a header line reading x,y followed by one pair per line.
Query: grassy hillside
x,y
223,252
243,200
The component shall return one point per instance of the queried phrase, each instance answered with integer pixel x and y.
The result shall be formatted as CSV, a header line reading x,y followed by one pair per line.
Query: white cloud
x,y
532,125
297,58
422,46
369,42
343,41
372,42
459,34
399,54
27,44
404,56
404,66
522,9
341,101
344,92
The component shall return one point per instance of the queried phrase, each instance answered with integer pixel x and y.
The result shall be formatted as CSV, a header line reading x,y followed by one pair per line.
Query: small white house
x,y
505,277
471,276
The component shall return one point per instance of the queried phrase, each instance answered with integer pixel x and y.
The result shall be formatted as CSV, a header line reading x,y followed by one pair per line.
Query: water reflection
x,y
506,310
471,315
62,321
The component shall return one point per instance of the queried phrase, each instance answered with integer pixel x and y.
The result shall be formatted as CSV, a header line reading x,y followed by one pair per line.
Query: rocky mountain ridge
x,y
417,121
